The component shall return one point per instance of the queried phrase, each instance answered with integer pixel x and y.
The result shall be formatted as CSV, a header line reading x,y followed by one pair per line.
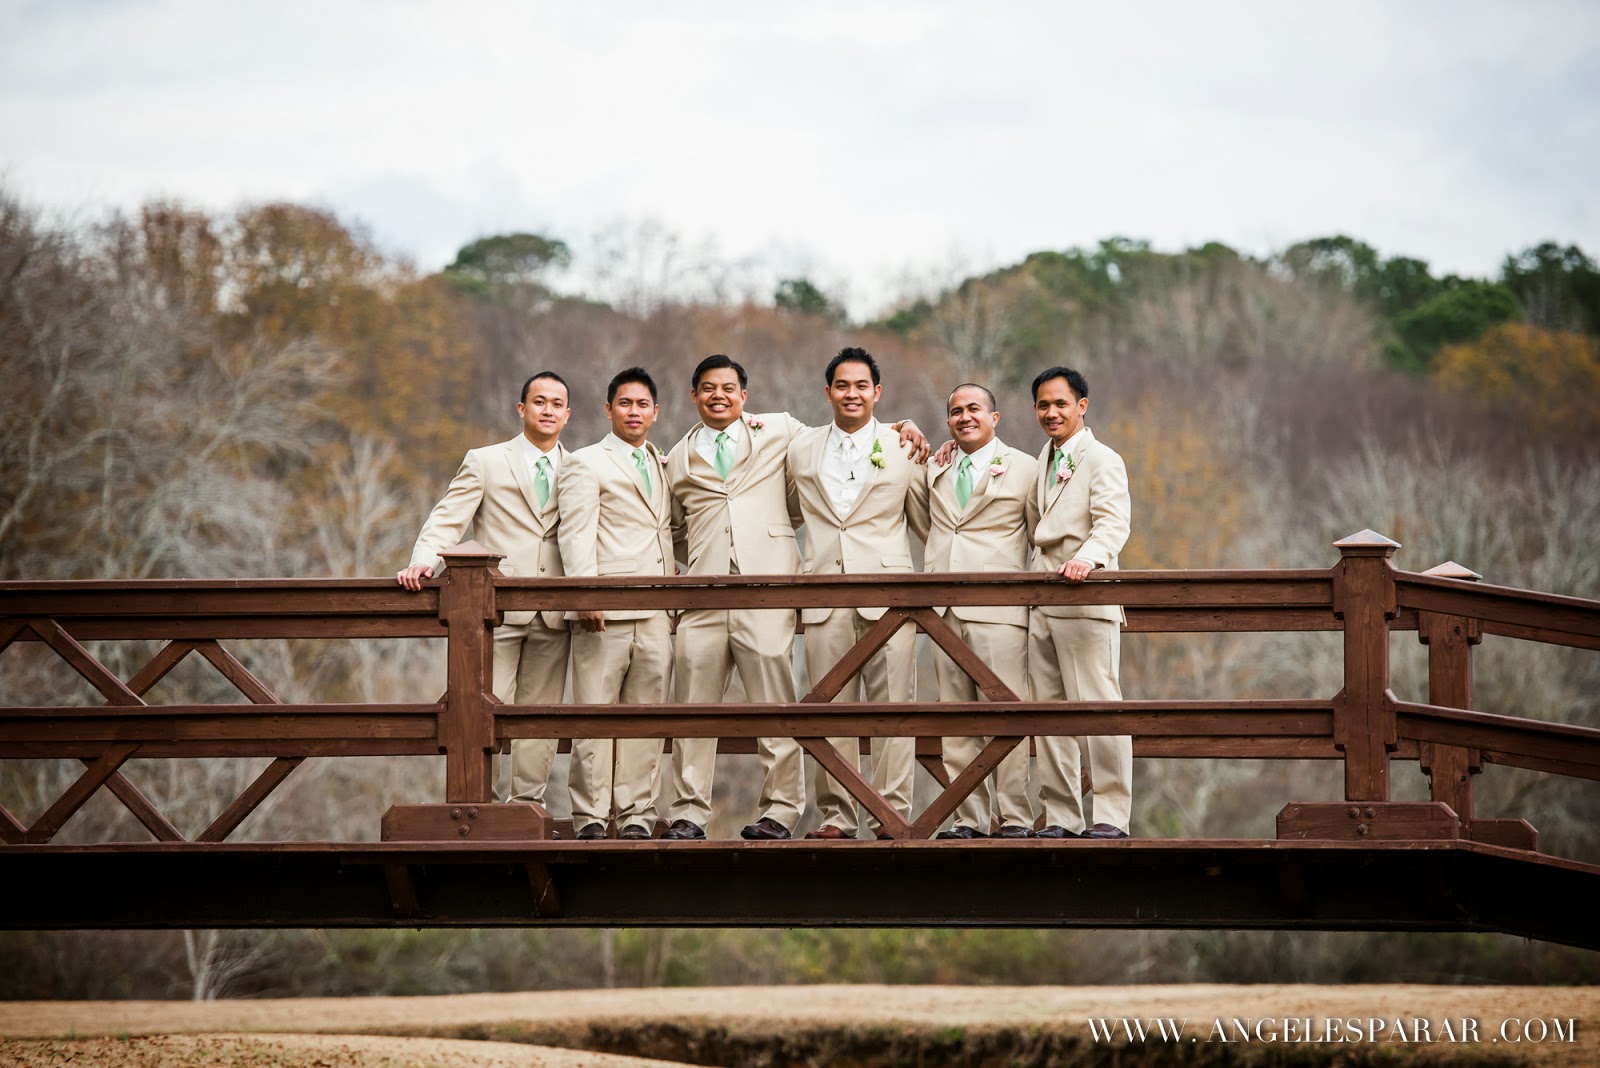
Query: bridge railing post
x,y
1364,728
1450,768
1363,721
466,720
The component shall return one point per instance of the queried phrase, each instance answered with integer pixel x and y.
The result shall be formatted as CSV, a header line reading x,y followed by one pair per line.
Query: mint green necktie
x,y
1055,466
644,470
541,481
724,461
964,481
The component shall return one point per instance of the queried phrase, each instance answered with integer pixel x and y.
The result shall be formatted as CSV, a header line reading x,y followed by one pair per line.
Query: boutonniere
x,y
997,465
876,455
753,423
1068,468
662,457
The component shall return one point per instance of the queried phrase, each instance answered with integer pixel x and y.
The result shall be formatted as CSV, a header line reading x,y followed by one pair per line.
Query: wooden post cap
x,y
1366,543
1451,569
471,554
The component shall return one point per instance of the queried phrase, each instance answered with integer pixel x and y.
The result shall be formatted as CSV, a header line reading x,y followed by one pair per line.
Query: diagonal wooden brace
x,y
950,797
856,786
73,798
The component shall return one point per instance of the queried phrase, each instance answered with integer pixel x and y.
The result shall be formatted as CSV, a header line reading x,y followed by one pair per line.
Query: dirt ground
x,y
774,1025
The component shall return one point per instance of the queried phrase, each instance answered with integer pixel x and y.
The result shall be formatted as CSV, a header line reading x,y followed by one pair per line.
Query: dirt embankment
x,y
780,1027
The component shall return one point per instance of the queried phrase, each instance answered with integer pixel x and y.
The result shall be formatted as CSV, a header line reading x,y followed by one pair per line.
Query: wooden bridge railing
x,y
1364,724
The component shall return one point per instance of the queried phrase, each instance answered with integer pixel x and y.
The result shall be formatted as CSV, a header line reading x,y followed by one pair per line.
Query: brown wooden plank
x,y
466,725
1363,721
1539,634
1564,742
143,809
72,799
1548,613
933,764
1365,821
11,831
199,628
98,675
959,651
235,672
856,786
10,629
259,790
166,658
950,798
876,637
1548,765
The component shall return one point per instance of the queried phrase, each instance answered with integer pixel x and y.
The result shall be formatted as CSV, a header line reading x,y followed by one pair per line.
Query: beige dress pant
x,y
630,662
891,675
760,644
1004,792
1071,659
530,668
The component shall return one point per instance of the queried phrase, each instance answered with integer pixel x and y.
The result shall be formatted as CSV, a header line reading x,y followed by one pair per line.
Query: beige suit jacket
x,y
609,525
493,494
748,520
1088,517
874,536
991,534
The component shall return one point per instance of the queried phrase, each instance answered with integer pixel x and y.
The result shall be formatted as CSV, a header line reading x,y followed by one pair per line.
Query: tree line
x,y
263,392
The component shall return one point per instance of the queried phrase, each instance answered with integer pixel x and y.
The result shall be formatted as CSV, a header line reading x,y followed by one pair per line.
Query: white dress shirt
x,y
705,442
531,454
847,465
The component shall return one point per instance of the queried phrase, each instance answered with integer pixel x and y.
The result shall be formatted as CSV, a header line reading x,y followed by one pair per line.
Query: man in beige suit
x,y
859,493
978,506
729,480
616,519
1081,517
506,494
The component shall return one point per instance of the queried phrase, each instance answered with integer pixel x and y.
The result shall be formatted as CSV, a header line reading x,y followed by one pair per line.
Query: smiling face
x,y
971,418
718,397
544,412
632,413
852,395
1060,411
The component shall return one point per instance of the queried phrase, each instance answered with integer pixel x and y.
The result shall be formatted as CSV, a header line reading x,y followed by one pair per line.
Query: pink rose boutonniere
x,y
753,423
997,465
1067,469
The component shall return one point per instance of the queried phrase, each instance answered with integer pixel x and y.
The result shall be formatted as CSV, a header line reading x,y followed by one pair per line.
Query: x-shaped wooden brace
x,y
846,772
105,770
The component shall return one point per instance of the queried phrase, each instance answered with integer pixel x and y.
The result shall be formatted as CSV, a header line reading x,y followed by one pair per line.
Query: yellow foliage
x,y
1553,375
1190,508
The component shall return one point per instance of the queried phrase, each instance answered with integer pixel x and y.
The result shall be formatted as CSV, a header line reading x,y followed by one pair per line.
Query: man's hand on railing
x,y
1075,570
411,577
593,621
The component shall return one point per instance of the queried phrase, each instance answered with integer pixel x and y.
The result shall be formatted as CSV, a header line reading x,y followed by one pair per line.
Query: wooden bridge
x,y
1362,861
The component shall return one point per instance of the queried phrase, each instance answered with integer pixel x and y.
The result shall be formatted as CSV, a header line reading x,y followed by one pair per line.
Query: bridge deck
x,y
1232,883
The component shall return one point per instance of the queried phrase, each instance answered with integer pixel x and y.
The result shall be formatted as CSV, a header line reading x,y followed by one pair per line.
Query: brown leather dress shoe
x,y
765,829
592,832
1012,830
1053,831
961,832
829,833
1105,830
684,831
635,832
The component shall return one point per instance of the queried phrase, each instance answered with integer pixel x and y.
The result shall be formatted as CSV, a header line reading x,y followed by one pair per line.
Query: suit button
x,y
838,563
541,570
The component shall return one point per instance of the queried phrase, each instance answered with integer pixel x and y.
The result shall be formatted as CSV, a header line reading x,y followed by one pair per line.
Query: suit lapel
x,y
985,487
743,451
519,472
622,457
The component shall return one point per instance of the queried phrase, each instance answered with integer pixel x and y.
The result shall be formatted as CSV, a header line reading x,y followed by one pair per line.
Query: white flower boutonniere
x,y
753,423
1067,469
876,455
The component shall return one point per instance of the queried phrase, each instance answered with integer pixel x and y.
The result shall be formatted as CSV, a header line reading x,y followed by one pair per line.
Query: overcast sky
x,y
859,142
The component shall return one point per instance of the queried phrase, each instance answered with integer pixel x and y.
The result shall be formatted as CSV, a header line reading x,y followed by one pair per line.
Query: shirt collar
x,y
1072,442
734,430
532,452
980,459
862,437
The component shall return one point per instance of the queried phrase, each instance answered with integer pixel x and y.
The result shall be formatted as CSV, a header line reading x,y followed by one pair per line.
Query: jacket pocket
x,y
897,562
618,567
779,531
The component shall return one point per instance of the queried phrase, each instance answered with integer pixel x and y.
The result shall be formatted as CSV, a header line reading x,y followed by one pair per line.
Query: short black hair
x,y
523,396
717,363
994,405
852,355
1075,381
627,375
